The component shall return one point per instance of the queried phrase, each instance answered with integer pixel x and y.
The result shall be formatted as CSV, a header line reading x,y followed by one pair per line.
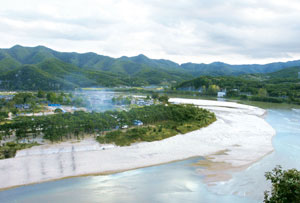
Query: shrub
x,y
285,186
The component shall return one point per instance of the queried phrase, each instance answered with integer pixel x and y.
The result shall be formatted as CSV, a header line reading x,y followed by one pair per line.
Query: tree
x,y
163,98
155,95
213,89
285,186
3,116
51,96
60,99
14,111
262,92
232,93
58,110
33,106
41,94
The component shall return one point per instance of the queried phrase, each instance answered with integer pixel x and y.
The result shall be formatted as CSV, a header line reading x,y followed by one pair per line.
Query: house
x,y
22,106
221,94
138,122
19,106
140,102
26,106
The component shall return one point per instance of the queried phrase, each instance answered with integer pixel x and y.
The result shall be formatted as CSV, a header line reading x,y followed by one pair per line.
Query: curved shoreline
x,y
239,129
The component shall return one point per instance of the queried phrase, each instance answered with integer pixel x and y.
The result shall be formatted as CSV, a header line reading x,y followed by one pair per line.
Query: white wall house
x,y
221,94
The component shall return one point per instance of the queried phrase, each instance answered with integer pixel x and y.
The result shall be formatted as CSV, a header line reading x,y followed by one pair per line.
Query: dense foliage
x,y
161,122
223,69
65,126
3,116
28,102
285,186
33,68
24,68
151,133
271,89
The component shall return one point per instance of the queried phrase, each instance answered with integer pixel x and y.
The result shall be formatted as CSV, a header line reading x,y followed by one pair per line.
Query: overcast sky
x,y
200,31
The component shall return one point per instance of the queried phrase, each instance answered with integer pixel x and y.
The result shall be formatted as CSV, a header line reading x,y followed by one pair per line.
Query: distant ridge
x,y
29,68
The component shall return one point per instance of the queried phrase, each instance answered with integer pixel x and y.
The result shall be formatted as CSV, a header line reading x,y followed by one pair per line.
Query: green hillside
x,y
286,73
26,67
70,70
7,62
223,69
30,77
273,88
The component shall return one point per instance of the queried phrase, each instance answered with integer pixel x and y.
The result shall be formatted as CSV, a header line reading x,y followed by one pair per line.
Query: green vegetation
x,y
3,116
291,73
34,68
25,68
157,131
121,100
223,69
58,110
161,122
266,90
60,127
9,149
285,186
163,98
28,102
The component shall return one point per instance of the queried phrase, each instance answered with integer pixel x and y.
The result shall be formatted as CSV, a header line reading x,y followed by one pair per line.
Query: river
x,y
174,182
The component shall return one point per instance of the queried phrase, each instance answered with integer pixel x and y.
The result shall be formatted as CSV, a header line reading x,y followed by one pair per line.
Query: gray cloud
x,y
234,31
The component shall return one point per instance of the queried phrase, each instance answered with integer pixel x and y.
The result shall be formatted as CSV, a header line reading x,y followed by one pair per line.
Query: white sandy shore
x,y
239,129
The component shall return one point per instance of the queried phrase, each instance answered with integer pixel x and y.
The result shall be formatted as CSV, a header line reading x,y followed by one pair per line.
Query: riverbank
x,y
239,129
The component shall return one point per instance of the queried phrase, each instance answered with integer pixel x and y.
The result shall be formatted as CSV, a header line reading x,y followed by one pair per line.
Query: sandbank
x,y
240,131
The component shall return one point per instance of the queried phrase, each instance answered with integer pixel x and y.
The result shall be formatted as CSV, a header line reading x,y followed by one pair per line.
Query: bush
x,y
244,97
285,186
164,99
3,116
58,110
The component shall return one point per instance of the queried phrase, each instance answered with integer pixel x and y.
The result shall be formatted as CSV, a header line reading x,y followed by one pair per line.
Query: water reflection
x,y
175,182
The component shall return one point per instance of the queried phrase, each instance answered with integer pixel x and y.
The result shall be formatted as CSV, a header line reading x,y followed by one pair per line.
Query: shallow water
x,y
174,182
251,182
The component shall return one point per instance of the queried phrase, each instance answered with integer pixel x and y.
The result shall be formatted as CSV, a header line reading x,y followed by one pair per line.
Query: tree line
x,y
267,89
60,127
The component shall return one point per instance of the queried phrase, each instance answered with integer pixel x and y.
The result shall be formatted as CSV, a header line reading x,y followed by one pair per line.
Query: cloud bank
x,y
233,31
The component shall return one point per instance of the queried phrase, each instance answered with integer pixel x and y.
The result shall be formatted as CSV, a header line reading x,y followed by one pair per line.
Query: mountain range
x,y
32,68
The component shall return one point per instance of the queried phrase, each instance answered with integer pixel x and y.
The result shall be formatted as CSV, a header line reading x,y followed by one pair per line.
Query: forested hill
x,y
223,69
287,75
292,72
30,68
283,84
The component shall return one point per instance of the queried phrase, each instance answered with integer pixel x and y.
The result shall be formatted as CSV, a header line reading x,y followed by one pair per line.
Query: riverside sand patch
x,y
236,125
